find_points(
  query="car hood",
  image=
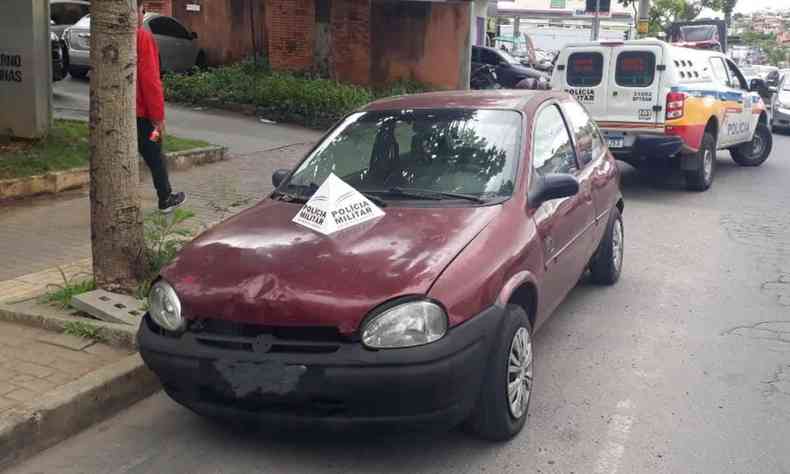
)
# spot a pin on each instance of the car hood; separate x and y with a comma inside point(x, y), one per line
point(527, 71)
point(784, 97)
point(259, 267)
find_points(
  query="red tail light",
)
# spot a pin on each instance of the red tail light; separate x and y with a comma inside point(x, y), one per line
point(675, 103)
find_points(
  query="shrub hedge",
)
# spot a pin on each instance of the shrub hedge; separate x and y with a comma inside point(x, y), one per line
point(300, 99)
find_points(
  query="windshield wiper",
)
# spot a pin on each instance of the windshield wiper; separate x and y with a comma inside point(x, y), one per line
point(434, 195)
point(288, 197)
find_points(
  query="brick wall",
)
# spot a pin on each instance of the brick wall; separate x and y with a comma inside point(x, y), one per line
point(165, 7)
point(224, 29)
point(289, 29)
point(350, 32)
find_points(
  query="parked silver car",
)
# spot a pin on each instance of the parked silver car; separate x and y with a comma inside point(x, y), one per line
point(178, 48)
point(780, 104)
point(65, 13)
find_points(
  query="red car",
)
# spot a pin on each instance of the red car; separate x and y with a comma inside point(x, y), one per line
point(460, 221)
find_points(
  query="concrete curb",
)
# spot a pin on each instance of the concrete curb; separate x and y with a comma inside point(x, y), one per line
point(71, 408)
point(52, 183)
point(119, 335)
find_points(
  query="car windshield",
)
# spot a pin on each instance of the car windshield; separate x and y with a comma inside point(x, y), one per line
point(438, 152)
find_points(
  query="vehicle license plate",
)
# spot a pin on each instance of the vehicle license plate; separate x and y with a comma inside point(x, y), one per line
point(616, 141)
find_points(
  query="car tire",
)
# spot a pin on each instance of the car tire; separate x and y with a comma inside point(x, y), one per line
point(701, 178)
point(757, 151)
point(200, 62)
point(78, 73)
point(495, 418)
point(607, 263)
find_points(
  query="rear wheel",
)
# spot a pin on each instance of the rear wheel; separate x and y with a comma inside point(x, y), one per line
point(501, 410)
point(78, 73)
point(607, 262)
point(701, 177)
point(756, 151)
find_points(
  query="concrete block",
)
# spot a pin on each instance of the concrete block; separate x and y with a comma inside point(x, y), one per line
point(66, 341)
point(110, 307)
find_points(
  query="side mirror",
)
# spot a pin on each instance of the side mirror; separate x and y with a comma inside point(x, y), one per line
point(757, 85)
point(279, 176)
point(194, 35)
point(552, 186)
point(773, 90)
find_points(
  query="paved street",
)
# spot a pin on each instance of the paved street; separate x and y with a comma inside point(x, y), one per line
point(684, 366)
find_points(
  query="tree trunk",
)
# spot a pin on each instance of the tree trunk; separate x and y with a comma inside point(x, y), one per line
point(116, 220)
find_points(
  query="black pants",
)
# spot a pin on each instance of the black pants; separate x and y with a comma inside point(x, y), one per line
point(152, 154)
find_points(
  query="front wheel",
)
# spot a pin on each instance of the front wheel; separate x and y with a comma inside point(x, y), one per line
point(501, 410)
point(756, 151)
point(607, 263)
point(701, 177)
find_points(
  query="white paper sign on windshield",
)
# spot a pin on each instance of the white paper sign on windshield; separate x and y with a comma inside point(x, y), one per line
point(336, 206)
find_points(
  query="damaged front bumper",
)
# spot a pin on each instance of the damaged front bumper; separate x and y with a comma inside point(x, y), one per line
point(307, 381)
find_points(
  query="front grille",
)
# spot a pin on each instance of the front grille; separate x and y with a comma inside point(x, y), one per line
point(234, 336)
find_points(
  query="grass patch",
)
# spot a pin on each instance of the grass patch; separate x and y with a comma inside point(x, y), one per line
point(83, 330)
point(301, 99)
point(66, 147)
point(62, 294)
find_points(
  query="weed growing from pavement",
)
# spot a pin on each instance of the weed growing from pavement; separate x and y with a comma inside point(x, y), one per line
point(71, 287)
point(165, 235)
point(83, 330)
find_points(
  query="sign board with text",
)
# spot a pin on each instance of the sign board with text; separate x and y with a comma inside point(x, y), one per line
point(25, 69)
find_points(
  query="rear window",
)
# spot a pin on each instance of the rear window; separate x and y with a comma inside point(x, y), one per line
point(635, 69)
point(585, 69)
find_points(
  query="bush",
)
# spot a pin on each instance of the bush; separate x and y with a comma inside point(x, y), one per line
point(305, 100)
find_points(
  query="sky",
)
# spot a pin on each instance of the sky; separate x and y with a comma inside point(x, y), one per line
point(749, 6)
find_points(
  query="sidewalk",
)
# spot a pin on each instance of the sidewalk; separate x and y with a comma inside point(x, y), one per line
point(42, 233)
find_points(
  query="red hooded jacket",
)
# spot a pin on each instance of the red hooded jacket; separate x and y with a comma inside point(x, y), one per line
point(150, 96)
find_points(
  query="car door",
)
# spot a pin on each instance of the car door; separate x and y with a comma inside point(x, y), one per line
point(733, 127)
point(597, 169)
point(562, 224)
point(749, 116)
point(168, 36)
point(583, 74)
point(635, 84)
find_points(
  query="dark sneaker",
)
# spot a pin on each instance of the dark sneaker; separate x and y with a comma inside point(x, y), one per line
point(172, 202)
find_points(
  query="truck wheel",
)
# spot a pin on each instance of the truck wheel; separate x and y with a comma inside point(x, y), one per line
point(756, 151)
point(501, 410)
point(701, 178)
point(607, 262)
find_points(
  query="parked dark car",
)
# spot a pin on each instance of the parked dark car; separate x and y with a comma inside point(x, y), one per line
point(493, 209)
point(509, 70)
point(59, 62)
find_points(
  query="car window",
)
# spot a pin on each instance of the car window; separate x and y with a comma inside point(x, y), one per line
point(589, 144)
point(736, 78)
point(720, 70)
point(67, 13)
point(490, 57)
point(476, 55)
point(552, 150)
point(585, 69)
point(445, 150)
point(167, 27)
point(635, 68)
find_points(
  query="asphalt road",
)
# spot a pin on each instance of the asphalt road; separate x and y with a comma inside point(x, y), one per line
point(683, 367)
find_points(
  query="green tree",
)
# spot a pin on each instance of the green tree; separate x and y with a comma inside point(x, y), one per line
point(727, 6)
point(664, 12)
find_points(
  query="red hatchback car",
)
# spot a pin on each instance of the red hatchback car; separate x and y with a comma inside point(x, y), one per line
point(490, 206)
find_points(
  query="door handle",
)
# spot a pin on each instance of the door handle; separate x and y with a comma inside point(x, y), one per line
point(614, 94)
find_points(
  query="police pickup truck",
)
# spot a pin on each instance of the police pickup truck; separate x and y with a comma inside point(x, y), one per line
point(658, 103)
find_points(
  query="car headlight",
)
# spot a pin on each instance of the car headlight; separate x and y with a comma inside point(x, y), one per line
point(53, 36)
point(409, 324)
point(165, 307)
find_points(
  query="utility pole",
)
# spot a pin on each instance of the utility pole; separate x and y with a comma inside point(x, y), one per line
point(643, 24)
point(596, 23)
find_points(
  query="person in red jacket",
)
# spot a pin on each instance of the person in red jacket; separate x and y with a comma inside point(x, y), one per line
point(151, 115)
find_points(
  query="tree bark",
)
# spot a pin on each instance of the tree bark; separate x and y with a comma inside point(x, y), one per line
point(116, 219)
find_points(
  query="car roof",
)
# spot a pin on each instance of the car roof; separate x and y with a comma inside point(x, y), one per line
point(511, 99)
